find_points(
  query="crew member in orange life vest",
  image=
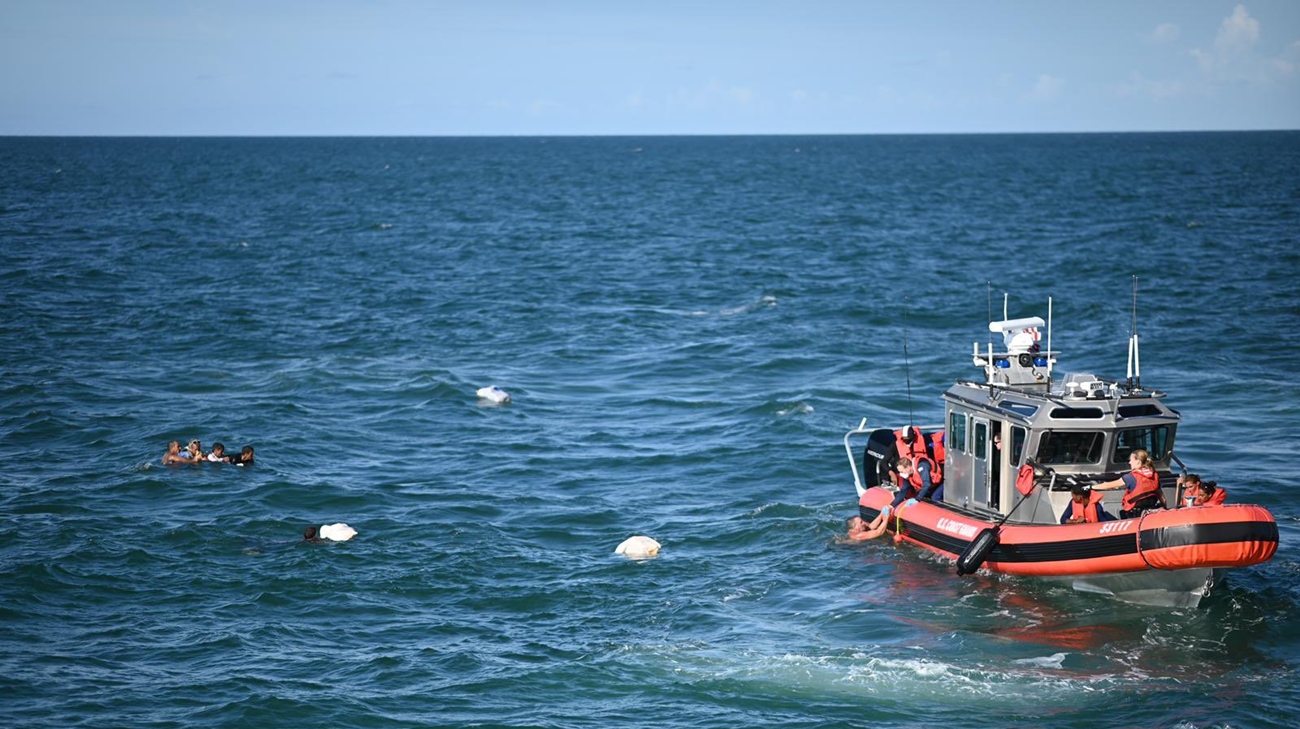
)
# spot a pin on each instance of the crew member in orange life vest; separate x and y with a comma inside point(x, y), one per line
point(1201, 493)
point(1142, 486)
point(909, 445)
point(1085, 507)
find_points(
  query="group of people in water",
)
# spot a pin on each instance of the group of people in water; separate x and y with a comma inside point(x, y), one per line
point(193, 453)
point(914, 460)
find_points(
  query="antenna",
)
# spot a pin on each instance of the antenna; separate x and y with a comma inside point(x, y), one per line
point(907, 370)
point(1005, 298)
point(1137, 359)
point(1049, 343)
point(988, 364)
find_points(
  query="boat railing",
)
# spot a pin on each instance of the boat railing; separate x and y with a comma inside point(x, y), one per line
point(853, 462)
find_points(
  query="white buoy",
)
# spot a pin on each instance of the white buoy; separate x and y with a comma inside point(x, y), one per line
point(339, 532)
point(637, 547)
point(494, 394)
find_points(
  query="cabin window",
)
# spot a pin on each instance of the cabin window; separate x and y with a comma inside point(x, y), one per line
point(1076, 413)
point(1139, 411)
point(1018, 436)
point(1019, 407)
point(957, 432)
point(1153, 439)
point(981, 444)
point(1071, 446)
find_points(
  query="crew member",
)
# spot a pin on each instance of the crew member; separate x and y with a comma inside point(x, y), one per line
point(1201, 493)
point(1141, 486)
point(910, 445)
point(1085, 507)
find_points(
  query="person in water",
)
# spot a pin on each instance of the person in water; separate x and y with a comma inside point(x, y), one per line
point(1141, 486)
point(195, 449)
point(175, 456)
point(244, 457)
point(310, 535)
point(1084, 508)
point(1201, 493)
point(218, 454)
point(860, 531)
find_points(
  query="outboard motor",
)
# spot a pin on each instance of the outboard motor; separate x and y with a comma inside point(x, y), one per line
point(874, 467)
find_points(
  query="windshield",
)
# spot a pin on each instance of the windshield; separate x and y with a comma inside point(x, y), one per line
point(1070, 447)
point(1154, 439)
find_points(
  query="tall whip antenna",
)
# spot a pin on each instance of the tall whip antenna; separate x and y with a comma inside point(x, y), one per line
point(988, 363)
point(1137, 356)
point(907, 370)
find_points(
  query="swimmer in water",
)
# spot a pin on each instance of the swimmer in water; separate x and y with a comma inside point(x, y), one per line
point(218, 454)
point(244, 457)
point(174, 456)
point(309, 535)
point(860, 532)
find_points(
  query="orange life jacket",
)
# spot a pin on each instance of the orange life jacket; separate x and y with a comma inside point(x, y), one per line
point(918, 451)
point(939, 455)
point(1088, 511)
point(1147, 483)
point(1215, 499)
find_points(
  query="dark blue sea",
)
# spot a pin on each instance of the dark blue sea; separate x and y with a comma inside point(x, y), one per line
point(688, 327)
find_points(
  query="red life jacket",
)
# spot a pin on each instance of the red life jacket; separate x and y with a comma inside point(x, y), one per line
point(918, 451)
point(939, 455)
point(1216, 499)
point(1147, 483)
point(1088, 511)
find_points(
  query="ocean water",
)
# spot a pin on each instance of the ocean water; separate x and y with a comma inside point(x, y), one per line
point(687, 326)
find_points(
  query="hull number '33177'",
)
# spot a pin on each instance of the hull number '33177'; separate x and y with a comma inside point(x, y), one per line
point(1115, 526)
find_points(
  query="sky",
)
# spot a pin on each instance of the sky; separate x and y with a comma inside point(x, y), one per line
point(641, 67)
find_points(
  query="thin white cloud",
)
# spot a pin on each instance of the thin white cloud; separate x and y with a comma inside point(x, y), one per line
point(1165, 33)
point(742, 95)
point(540, 107)
point(1138, 86)
point(1046, 88)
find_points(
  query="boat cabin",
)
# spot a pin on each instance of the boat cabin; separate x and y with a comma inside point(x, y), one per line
point(1080, 426)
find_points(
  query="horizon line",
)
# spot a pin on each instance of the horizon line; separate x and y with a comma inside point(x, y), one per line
point(626, 135)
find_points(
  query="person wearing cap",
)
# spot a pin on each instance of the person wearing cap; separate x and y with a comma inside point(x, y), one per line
point(1084, 507)
point(909, 445)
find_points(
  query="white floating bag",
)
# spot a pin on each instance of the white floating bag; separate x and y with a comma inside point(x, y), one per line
point(494, 394)
point(637, 547)
point(339, 532)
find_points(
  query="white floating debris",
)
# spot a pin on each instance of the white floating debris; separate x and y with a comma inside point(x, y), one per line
point(494, 394)
point(339, 532)
point(638, 546)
